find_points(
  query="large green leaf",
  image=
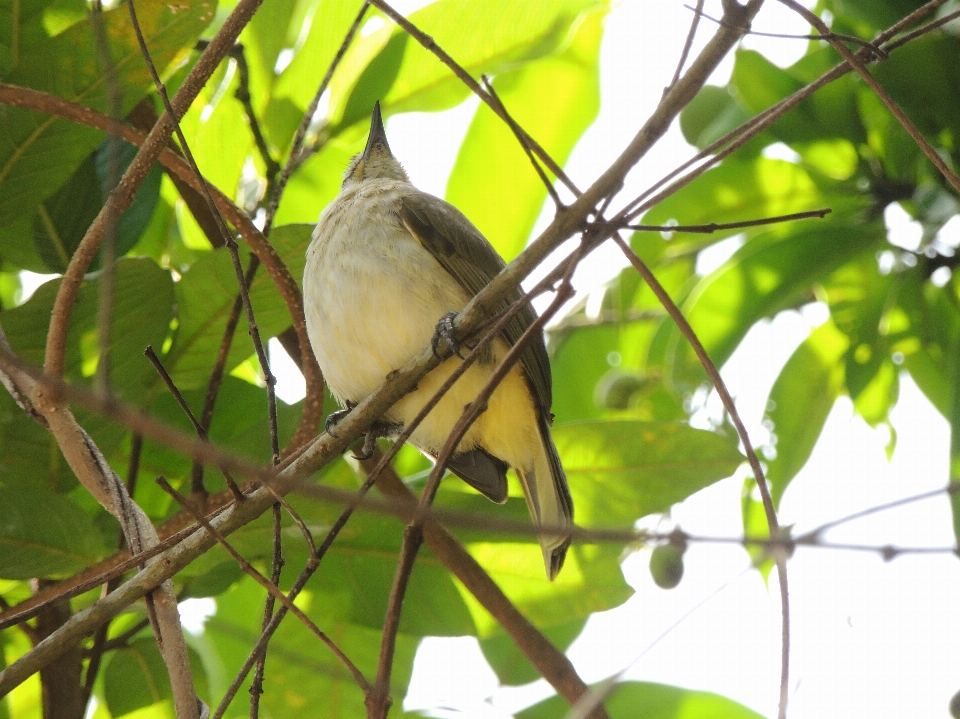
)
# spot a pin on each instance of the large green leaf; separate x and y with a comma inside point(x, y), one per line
point(38, 152)
point(555, 99)
point(61, 220)
point(404, 76)
point(63, 541)
point(652, 701)
point(135, 677)
point(205, 298)
point(769, 273)
point(142, 310)
point(510, 664)
point(801, 399)
point(299, 81)
point(620, 471)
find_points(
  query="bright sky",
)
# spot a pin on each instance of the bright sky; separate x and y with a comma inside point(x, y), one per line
point(870, 638)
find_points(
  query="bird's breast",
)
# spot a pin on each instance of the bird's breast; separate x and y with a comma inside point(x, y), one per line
point(372, 293)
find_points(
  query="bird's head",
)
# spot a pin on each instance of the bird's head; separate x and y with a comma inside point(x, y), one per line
point(376, 161)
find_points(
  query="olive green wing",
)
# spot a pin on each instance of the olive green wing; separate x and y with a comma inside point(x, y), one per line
point(467, 255)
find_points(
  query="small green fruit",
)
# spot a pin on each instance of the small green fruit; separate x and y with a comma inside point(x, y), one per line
point(666, 566)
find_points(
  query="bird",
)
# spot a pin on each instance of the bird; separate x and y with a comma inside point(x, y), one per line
point(385, 263)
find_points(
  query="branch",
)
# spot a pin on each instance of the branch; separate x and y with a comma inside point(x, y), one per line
point(95, 474)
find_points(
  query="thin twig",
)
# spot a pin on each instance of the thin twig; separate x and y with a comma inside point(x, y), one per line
point(752, 458)
point(197, 426)
point(687, 44)
point(872, 49)
point(256, 688)
point(231, 243)
point(711, 227)
point(295, 158)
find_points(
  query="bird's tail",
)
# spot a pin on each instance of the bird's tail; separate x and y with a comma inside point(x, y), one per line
point(549, 501)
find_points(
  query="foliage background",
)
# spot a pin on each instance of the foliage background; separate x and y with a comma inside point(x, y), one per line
point(621, 429)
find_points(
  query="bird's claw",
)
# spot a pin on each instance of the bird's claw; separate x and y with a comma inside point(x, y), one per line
point(445, 333)
point(376, 431)
point(333, 419)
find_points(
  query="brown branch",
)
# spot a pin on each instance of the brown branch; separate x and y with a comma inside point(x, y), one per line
point(378, 701)
point(98, 478)
point(552, 664)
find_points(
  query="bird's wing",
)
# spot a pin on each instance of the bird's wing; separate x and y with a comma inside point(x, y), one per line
point(466, 254)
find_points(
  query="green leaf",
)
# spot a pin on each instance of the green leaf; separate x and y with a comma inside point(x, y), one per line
point(620, 471)
point(329, 24)
point(211, 128)
point(591, 580)
point(711, 114)
point(769, 273)
point(801, 399)
point(405, 77)
point(863, 304)
point(62, 219)
point(142, 310)
point(205, 298)
point(554, 99)
point(916, 77)
point(136, 677)
point(38, 153)
point(578, 364)
point(29, 455)
point(65, 541)
point(652, 701)
point(274, 26)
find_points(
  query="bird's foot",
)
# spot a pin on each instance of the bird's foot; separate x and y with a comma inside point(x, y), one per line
point(333, 419)
point(376, 431)
point(444, 333)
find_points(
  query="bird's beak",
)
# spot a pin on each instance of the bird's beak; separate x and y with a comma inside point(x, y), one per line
point(377, 136)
